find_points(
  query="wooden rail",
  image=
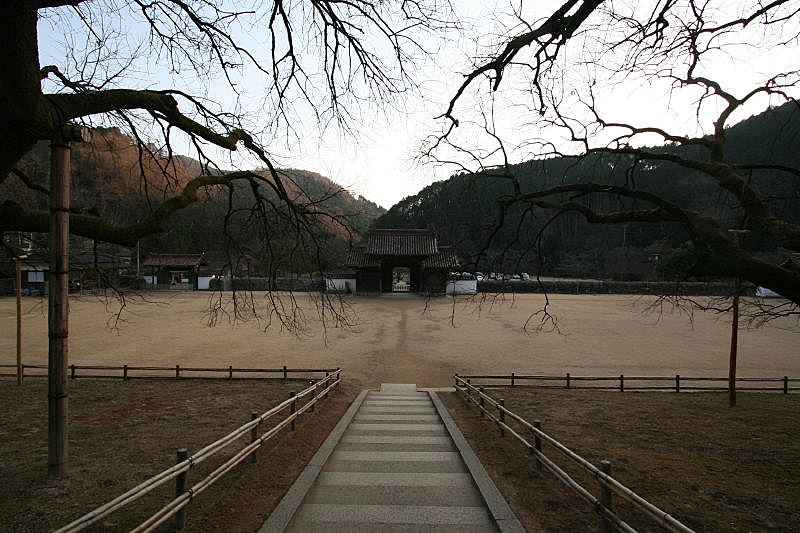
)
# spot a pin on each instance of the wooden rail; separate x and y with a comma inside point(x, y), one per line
point(496, 411)
point(175, 507)
point(621, 382)
point(176, 372)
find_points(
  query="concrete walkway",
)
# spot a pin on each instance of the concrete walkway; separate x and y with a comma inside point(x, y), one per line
point(395, 462)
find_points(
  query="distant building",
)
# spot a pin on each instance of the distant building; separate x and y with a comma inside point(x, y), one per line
point(401, 260)
point(176, 271)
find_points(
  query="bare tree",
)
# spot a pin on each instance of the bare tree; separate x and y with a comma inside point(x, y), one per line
point(557, 72)
point(324, 56)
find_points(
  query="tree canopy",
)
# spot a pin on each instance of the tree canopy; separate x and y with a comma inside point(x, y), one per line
point(557, 86)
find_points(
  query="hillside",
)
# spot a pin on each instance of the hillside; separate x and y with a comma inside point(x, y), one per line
point(464, 211)
point(111, 178)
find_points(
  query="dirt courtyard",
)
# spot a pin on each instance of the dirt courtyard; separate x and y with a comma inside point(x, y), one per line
point(411, 339)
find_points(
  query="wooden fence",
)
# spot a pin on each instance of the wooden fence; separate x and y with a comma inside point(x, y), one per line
point(496, 411)
point(183, 495)
point(623, 383)
point(174, 372)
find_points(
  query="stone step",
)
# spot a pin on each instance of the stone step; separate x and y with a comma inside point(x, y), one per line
point(398, 428)
point(395, 466)
point(327, 527)
point(377, 515)
point(394, 456)
point(465, 495)
point(394, 479)
point(412, 410)
point(396, 447)
point(397, 417)
point(395, 439)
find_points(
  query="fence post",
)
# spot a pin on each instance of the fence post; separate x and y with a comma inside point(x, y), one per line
point(481, 401)
point(621, 383)
point(313, 395)
point(568, 376)
point(180, 488)
point(501, 403)
point(677, 382)
point(230, 371)
point(177, 371)
point(254, 435)
point(512, 379)
point(293, 409)
point(605, 497)
point(786, 384)
point(537, 442)
point(284, 373)
point(72, 371)
point(125, 372)
point(455, 380)
point(468, 390)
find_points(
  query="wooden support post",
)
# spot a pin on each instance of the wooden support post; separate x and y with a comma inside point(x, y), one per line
point(786, 384)
point(125, 372)
point(254, 436)
point(230, 372)
point(58, 298)
point(313, 395)
point(677, 382)
point(568, 377)
point(481, 401)
point(537, 441)
point(18, 279)
point(72, 371)
point(285, 375)
point(455, 380)
point(180, 488)
point(468, 390)
point(512, 379)
point(605, 497)
point(621, 383)
point(293, 410)
point(177, 371)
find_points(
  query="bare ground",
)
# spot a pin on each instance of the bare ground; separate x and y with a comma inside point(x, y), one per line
point(412, 340)
point(121, 433)
point(712, 467)
point(393, 340)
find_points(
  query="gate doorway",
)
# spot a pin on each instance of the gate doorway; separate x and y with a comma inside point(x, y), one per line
point(401, 279)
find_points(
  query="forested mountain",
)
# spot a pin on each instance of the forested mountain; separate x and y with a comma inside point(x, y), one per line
point(110, 177)
point(464, 208)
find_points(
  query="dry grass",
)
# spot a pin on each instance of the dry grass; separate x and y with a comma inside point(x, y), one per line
point(712, 467)
point(411, 340)
point(121, 433)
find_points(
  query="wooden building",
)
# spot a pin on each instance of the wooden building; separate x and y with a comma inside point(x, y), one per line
point(174, 271)
point(395, 260)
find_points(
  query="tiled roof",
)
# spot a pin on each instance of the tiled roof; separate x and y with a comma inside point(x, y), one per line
point(401, 242)
point(356, 258)
point(445, 259)
point(185, 260)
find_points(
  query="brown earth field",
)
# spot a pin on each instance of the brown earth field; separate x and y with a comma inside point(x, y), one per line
point(712, 467)
point(414, 340)
point(123, 432)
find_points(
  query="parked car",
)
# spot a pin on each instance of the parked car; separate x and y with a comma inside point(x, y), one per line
point(525, 276)
point(479, 276)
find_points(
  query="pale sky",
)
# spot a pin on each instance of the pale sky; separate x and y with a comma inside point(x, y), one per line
point(379, 163)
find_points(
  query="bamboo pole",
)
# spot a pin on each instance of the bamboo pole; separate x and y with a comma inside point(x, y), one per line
point(58, 308)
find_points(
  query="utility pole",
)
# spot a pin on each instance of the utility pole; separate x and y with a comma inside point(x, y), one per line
point(58, 297)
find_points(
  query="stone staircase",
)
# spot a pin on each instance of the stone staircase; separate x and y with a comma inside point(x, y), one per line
point(393, 465)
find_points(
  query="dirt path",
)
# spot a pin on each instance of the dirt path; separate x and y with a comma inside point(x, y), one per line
point(405, 340)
